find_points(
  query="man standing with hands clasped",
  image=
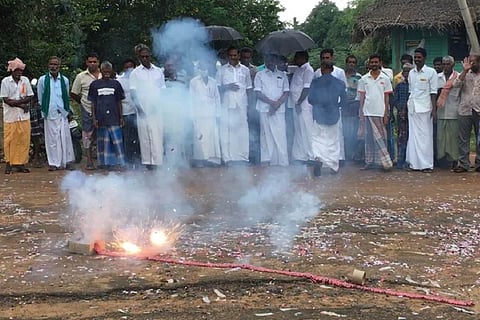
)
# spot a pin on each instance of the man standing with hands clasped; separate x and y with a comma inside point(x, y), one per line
point(235, 86)
point(16, 93)
point(272, 89)
point(422, 107)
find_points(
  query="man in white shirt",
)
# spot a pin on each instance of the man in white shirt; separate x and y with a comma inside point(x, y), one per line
point(423, 84)
point(374, 90)
point(147, 82)
point(16, 93)
point(302, 115)
point(235, 86)
point(205, 106)
point(272, 89)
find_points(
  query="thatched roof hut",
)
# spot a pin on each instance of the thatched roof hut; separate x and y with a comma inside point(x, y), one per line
point(436, 15)
point(435, 24)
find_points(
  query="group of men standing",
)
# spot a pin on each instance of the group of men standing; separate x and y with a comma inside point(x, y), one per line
point(318, 117)
point(436, 112)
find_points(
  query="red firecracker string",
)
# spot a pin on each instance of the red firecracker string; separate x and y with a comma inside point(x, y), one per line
point(306, 275)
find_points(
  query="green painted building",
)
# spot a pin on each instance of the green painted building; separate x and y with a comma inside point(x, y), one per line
point(435, 25)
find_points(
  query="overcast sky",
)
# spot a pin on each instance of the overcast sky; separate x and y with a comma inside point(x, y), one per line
point(302, 8)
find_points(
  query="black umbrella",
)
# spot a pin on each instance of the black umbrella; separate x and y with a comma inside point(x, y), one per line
point(283, 42)
point(224, 33)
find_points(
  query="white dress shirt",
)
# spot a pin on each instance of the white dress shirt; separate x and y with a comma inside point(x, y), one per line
point(239, 75)
point(301, 79)
point(422, 83)
point(272, 84)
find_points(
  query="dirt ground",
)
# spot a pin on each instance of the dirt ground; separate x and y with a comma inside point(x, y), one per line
point(411, 232)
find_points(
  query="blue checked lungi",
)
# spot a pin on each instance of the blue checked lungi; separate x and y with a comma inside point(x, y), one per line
point(110, 150)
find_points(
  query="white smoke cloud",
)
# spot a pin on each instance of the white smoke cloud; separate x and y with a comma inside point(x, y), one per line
point(100, 204)
point(273, 200)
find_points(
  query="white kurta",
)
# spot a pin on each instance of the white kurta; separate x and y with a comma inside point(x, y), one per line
point(145, 87)
point(303, 122)
point(326, 145)
point(234, 137)
point(205, 110)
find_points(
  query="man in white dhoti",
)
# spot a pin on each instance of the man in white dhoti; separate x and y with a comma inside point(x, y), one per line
point(53, 89)
point(146, 84)
point(235, 85)
point(205, 102)
point(302, 115)
point(327, 55)
point(327, 95)
point(175, 110)
point(421, 113)
point(271, 87)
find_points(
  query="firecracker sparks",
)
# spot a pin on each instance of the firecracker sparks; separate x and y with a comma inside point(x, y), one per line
point(152, 237)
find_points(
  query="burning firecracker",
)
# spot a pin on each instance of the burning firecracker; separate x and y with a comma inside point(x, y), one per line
point(142, 240)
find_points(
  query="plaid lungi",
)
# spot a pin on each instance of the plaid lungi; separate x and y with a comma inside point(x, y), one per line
point(110, 150)
point(376, 151)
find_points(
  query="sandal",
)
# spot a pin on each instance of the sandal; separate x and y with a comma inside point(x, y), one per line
point(8, 170)
point(52, 168)
point(22, 169)
point(90, 167)
point(37, 164)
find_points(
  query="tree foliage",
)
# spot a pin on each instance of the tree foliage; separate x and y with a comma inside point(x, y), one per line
point(33, 30)
point(320, 21)
point(332, 28)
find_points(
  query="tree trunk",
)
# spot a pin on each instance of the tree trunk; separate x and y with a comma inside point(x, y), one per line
point(472, 34)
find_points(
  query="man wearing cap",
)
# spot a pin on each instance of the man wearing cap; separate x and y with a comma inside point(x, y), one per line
point(16, 93)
